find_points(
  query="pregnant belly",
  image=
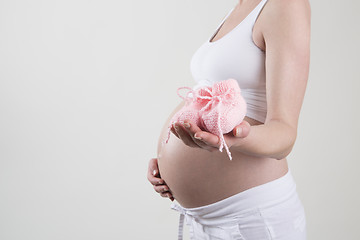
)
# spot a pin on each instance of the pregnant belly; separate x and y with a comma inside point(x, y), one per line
point(192, 174)
point(197, 177)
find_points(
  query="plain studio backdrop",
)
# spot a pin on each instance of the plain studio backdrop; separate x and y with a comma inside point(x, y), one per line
point(85, 87)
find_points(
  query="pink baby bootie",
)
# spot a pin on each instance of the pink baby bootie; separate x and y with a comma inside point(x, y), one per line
point(225, 110)
point(217, 109)
point(192, 107)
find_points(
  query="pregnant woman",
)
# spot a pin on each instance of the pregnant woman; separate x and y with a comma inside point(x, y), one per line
point(265, 46)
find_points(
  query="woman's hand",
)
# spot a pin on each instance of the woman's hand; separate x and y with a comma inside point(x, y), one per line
point(193, 136)
point(154, 178)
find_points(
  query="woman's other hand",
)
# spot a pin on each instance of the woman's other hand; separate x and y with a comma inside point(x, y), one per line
point(193, 136)
point(153, 175)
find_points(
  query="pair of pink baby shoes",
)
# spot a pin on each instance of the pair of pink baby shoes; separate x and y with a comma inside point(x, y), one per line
point(216, 109)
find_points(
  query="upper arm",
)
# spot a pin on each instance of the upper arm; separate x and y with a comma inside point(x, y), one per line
point(286, 32)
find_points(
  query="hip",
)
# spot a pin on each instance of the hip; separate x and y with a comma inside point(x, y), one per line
point(269, 211)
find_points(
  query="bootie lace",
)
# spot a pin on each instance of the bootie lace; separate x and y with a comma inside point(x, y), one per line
point(216, 102)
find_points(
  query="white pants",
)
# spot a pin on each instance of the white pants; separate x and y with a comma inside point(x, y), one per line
point(271, 211)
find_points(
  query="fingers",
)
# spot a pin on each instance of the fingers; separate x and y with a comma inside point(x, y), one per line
point(172, 129)
point(184, 135)
point(193, 129)
point(167, 195)
point(153, 174)
point(153, 169)
point(164, 191)
point(187, 130)
point(159, 184)
point(161, 188)
point(242, 130)
point(209, 139)
point(189, 134)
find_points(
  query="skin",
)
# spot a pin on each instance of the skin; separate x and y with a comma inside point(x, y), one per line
point(282, 30)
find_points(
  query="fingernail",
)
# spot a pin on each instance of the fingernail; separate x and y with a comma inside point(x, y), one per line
point(160, 182)
point(238, 131)
point(164, 190)
point(187, 125)
point(197, 137)
point(154, 172)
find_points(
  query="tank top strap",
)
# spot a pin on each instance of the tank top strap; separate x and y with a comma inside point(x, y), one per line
point(256, 12)
point(221, 23)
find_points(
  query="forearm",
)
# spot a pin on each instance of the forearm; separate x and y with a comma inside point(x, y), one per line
point(273, 139)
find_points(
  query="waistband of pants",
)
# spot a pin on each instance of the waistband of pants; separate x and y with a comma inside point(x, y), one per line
point(240, 205)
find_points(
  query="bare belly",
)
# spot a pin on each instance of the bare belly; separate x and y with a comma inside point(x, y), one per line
point(198, 177)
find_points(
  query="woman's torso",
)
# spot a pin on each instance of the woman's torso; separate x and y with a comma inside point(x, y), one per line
point(197, 177)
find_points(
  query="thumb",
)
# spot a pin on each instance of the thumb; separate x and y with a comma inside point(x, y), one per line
point(242, 130)
point(153, 167)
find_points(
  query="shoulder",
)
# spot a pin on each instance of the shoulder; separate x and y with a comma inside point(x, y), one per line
point(286, 22)
point(281, 11)
point(288, 5)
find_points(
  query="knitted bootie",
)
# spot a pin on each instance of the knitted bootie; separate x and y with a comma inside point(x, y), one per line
point(217, 109)
point(192, 107)
point(225, 110)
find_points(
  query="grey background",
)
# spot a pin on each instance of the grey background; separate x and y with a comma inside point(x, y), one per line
point(85, 87)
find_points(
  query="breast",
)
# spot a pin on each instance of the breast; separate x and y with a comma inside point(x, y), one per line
point(234, 57)
point(237, 58)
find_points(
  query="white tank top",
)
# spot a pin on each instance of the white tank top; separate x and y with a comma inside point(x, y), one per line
point(236, 56)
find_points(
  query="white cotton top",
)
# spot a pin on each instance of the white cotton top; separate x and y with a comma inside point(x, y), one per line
point(236, 56)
